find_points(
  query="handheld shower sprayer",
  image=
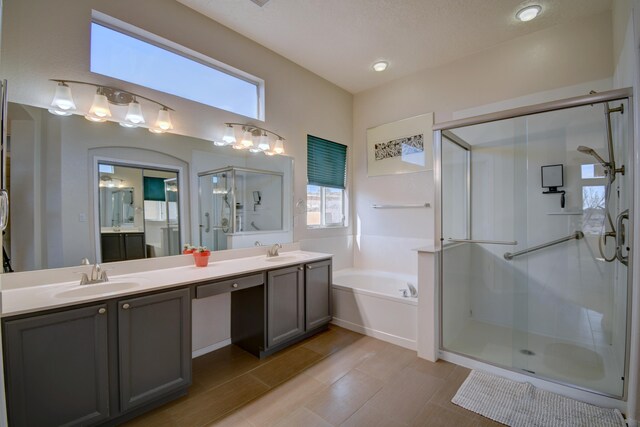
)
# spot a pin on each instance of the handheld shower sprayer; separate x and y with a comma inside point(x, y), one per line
point(592, 152)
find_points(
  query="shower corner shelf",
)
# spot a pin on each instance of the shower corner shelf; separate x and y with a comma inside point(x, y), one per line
point(565, 213)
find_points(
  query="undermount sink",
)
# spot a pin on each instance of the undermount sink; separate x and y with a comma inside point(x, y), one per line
point(96, 289)
point(282, 258)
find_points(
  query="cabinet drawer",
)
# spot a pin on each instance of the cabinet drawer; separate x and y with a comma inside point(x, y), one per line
point(223, 286)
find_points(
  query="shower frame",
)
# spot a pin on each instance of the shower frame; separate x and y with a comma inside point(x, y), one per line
point(442, 128)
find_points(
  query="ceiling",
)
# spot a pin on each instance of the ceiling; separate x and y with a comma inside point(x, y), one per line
point(341, 39)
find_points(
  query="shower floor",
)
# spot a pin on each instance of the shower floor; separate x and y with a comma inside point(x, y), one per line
point(591, 365)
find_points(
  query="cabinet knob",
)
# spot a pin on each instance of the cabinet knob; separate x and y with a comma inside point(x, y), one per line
point(300, 268)
point(125, 306)
point(235, 285)
point(102, 311)
point(309, 267)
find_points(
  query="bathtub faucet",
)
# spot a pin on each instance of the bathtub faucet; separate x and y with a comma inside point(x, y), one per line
point(410, 292)
point(273, 250)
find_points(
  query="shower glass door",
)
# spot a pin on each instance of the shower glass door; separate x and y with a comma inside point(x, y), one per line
point(216, 202)
point(530, 211)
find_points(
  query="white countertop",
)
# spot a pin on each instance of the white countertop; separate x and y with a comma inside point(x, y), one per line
point(44, 297)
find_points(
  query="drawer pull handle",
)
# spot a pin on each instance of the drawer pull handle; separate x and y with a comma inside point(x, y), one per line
point(102, 311)
point(125, 306)
point(235, 285)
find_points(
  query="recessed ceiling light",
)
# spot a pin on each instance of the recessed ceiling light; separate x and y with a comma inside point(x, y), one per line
point(528, 13)
point(380, 65)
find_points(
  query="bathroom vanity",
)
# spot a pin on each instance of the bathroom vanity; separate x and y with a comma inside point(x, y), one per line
point(105, 358)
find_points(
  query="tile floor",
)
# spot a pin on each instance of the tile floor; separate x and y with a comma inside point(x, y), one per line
point(337, 378)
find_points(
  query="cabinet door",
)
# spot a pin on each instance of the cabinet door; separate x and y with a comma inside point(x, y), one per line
point(112, 247)
point(154, 346)
point(285, 304)
point(134, 246)
point(318, 293)
point(57, 368)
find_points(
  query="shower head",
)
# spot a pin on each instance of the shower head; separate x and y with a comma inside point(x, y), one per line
point(592, 152)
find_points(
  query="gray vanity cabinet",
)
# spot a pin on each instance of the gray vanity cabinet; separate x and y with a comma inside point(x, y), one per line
point(122, 246)
point(285, 305)
point(154, 346)
point(57, 368)
point(317, 294)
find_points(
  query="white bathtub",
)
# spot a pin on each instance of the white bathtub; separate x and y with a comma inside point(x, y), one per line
point(370, 302)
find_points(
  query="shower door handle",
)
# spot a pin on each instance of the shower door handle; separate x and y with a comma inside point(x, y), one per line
point(620, 237)
point(208, 218)
point(4, 209)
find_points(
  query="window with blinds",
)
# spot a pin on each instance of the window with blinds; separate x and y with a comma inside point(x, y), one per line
point(326, 183)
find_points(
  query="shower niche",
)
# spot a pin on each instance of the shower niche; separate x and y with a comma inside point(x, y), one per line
point(237, 202)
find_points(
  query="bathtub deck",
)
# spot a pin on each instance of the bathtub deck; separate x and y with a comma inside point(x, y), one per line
point(337, 378)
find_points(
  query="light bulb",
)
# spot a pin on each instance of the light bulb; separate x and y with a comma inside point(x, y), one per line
point(238, 145)
point(163, 123)
point(62, 104)
point(278, 148)
point(380, 66)
point(263, 145)
point(229, 135)
point(100, 107)
point(247, 139)
point(134, 115)
point(528, 13)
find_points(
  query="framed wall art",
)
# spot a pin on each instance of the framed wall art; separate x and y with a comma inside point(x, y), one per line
point(404, 146)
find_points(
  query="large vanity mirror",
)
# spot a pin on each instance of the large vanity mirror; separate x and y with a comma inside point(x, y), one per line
point(107, 193)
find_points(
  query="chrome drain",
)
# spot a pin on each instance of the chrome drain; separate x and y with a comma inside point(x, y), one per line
point(527, 352)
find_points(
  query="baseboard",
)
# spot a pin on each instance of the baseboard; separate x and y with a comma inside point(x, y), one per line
point(210, 348)
point(393, 339)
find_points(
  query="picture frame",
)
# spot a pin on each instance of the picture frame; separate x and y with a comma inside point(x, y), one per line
point(403, 146)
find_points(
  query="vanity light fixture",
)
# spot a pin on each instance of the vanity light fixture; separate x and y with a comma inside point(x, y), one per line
point(247, 139)
point(134, 117)
point(163, 123)
point(254, 138)
point(263, 145)
point(380, 66)
point(229, 136)
point(62, 104)
point(528, 13)
point(99, 111)
point(104, 98)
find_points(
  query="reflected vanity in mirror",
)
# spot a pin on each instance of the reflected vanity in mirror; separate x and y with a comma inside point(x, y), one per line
point(101, 191)
point(139, 215)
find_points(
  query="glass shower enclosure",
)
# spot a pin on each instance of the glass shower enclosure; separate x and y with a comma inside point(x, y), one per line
point(534, 235)
point(236, 202)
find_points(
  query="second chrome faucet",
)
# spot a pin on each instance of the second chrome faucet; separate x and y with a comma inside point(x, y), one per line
point(273, 250)
point(98, 274)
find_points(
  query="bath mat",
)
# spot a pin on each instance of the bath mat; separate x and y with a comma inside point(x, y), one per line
point(523, 405)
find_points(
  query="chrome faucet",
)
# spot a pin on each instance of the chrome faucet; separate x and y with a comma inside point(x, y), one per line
point(98, 275)
point(273, 250)
point(411, 291)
